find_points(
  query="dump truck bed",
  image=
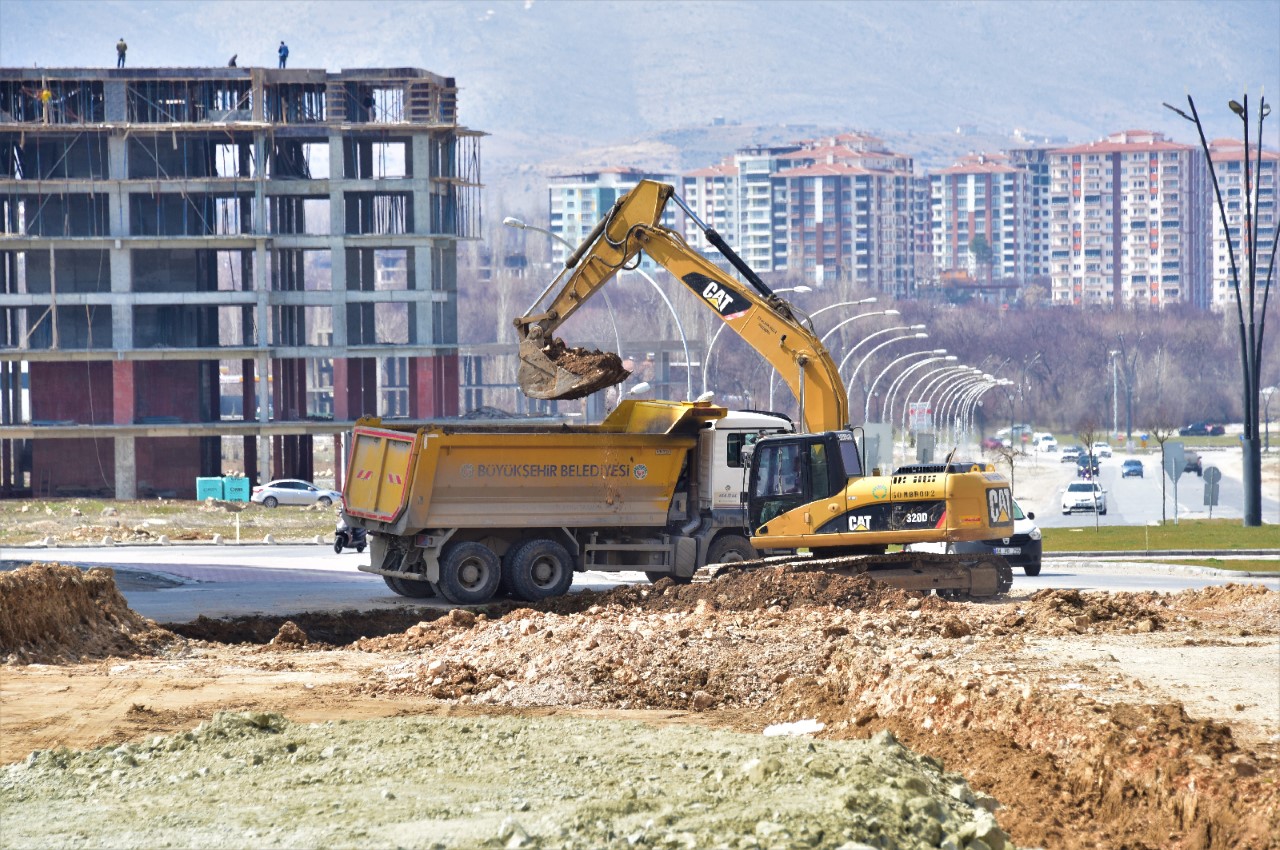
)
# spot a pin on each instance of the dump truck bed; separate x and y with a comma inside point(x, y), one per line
point(622, 472)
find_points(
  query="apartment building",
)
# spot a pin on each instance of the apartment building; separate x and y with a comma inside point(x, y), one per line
point(849, 214)
point(1128, 222)
point(1229, 165)
point(174, 234)
point(576, 202)
point(982, 221)
point(712, 193)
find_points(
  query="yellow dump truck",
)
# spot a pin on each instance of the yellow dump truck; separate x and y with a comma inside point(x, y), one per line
point(467, 510)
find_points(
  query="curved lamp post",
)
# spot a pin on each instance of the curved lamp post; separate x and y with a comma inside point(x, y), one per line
point(706, 358)
point(960, 399)
point(872, 353)
point(871, 391)
point(939, 390)
point(688, 364)
point(932, 376)
point(946, 401)
point(951, 406)
point(971, 402)
point(901, 380)
point(938, 354)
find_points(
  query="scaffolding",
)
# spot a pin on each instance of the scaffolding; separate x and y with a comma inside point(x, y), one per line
point(163, 229)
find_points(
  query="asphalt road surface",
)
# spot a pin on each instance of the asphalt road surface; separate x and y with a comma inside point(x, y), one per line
point(174, 584)
point(1137, 501)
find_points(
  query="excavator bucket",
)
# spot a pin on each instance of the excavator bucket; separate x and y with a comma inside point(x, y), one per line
point(555, 371)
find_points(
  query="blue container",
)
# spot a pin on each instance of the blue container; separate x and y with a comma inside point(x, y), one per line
point(235, 489)
point(208, 488)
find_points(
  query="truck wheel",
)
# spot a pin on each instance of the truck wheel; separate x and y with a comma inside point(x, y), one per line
point(539, 569)
point(469, 573)
point(730, 549)
point(410, 588)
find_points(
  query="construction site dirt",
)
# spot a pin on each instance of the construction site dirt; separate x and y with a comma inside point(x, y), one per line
point(643, 716)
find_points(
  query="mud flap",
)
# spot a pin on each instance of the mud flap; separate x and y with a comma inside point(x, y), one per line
point(686, 557)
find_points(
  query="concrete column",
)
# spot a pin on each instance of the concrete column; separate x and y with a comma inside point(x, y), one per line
point(337, 245)
point(262, 288)
point(421, 326)
point(126, 468)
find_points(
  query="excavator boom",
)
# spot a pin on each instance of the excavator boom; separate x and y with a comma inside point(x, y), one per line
point(552, 370)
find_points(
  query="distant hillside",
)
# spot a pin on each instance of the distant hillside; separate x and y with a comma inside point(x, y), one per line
point(561, 85)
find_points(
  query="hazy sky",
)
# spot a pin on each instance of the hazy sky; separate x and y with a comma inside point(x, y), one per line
point(596, 72)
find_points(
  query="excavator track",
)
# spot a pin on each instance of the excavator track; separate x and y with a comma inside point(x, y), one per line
point(950, 576)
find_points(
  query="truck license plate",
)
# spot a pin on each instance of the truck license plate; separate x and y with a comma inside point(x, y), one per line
point(1008, 550)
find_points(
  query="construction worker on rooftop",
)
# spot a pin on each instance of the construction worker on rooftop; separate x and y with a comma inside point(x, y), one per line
point(284, 53)
point(121, 49)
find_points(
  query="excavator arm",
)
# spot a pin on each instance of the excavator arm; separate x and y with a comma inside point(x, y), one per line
point(765, 321)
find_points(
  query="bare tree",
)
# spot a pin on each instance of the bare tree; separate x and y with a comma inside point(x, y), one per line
point(1162, 428)
point(1089, 431)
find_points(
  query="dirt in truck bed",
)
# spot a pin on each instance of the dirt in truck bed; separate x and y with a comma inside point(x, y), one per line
point(643, 717)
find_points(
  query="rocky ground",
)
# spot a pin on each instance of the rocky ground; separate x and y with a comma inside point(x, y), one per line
point(642, 717)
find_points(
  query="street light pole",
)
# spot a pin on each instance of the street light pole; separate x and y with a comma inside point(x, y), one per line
point(688, 364)
point(1115, 391)
point(857, 369)
point(887, 408)
point(866, 408)
point(932, 376)
point(1251, 337)
point(774, 374)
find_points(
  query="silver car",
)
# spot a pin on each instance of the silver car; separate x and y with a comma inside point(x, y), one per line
point(292, 491)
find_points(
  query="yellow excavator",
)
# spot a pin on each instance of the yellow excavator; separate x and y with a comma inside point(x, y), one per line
point(807, 492)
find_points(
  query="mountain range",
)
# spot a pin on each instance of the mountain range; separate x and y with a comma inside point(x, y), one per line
point(563, 85)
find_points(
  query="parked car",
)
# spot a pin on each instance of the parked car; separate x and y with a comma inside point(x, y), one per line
point(1071, 453)
point(1084, 496)
point(1131, 467)
point(292, 491)
point(1023, 548)
point(1201, 429)
point(992, 443)
point(1101, 450)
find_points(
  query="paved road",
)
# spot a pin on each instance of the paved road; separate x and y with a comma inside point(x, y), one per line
point(1137, 501)
point(172, 584)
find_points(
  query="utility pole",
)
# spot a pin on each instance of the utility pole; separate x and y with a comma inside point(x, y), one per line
point(1251, 302)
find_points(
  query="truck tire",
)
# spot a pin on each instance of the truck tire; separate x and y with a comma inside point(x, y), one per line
point(731, 548)
point(539, 569)
point(469, 573)
point(410, 588)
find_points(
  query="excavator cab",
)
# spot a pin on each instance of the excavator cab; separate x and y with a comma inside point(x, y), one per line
point(796, 469)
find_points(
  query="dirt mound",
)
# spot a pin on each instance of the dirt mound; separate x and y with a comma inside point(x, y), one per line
point(784, 587)
point(54, 613)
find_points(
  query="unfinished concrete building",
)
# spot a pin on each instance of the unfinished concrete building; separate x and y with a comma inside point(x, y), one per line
point(195, 253)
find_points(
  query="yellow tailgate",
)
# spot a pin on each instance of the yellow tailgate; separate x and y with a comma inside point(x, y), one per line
point(379, 473)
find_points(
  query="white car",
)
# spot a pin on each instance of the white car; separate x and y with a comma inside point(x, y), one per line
point(1084, 496)
point(1101, 450)
point(1045, 442)
point(291, 491)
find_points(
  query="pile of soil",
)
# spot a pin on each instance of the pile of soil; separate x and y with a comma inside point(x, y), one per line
point(594, 369)
point(1023, 698)
point(53, 613)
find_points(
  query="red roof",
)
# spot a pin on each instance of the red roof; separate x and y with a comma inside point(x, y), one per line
point(1126, 141)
